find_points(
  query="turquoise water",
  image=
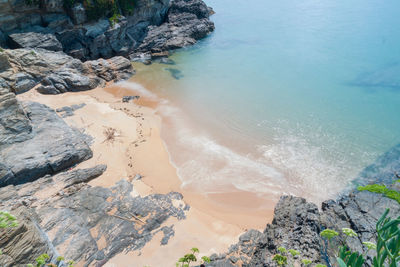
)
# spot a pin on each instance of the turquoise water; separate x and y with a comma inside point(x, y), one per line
point(286, 96)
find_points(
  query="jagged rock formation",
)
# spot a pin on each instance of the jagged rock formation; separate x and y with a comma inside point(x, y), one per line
point(297, 224)
point(187, 22)
point(53, 27)
point(36, 40)
point(84, 223)
point(56, 72)
point(21, 245)
point(51, 146)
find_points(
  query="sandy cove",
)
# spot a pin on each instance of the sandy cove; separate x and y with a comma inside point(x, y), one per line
point(212, 225)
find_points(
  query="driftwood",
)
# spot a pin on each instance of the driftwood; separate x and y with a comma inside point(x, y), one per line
point(129, 220)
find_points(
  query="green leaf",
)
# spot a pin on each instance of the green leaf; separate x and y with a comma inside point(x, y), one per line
point(383, 216)
point(195, 250)
point(329, 234)
point(282, 250)
point(341, 262)
point(294, 252)
point(206, 259)
point(349, 232)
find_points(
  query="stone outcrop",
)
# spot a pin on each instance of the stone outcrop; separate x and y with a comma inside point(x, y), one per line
point(56, 72)
point(187, 22)
point(46, 145)
point(35, 40)
point(14, 124)
point(154, 25)
point(88, 224)
point(22, 244)
point(298, 223)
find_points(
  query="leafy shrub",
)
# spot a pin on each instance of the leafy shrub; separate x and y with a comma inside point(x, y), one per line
point(186, 260)
point(7, 220)
point(388, 242)
point(382, 189)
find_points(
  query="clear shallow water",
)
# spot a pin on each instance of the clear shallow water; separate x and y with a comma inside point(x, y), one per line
point(285, 96)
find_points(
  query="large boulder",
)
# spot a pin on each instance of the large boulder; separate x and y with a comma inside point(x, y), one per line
point(116, 68)
point(52, 147)
point(67, 80)
point(187, 22)
point(35, 40)
point(56, 72)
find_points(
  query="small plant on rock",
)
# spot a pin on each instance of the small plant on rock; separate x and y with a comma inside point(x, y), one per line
point(305, 262)
point(7, 220)
point(280, 259)
point(189, 258)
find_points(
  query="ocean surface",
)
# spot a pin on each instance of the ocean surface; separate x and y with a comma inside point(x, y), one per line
point(284, 97)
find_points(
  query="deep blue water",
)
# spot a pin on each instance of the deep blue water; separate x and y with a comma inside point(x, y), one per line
point(286, 96)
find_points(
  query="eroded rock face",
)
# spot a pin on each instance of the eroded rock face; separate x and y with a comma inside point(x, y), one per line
point(187, 22)
point(36, 40)
point(56, 72)
point(298, 223)
point(48, 147)
point(21, 245)
point(154, 26)
point(14, 124)
point(92, 224)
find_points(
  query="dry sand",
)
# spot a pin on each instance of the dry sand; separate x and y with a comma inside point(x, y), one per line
point(213, 223)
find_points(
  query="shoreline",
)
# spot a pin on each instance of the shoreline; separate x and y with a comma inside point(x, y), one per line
point(212, 225)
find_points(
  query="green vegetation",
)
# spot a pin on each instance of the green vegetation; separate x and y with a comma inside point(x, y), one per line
point(96, 9)
point(7, 220)
point(43, 260)
point(382, 189)
point(112, 9)
point(189, 258)
point(280, 259)
point(289, 257)
point(305, 262)
point(388, 242)
point(328, 234)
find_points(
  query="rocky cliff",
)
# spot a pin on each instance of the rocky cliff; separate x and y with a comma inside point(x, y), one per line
point(153, 26)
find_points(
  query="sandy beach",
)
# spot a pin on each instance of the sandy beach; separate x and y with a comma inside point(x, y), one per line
point(214, 221)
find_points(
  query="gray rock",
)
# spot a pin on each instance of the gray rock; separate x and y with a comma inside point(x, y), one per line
point(77, 217)
point(22, 244)
point(95, 29)
point(36, 40)
point(52, 147)
point(14, 123)
point(144, 58)
point(57, 22)
point(23, 82)
point(166, 61)
point(56, 72)
point(126, 99)
point(177, 74)
point(68, 80)
point(56, 6)
point(168, 233)
point(78, 14)
point(3, 39)
point(298, 223)
point(187, 22)
point(68, 111)
point(116, 68)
